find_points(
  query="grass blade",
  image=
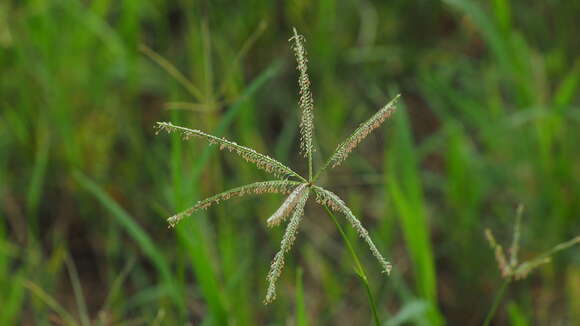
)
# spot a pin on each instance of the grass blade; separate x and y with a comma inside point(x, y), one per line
point(171, 70)
point(136, 232)
point(406, 191)
point(53, 304)
point(301, 316)
point(78, 291)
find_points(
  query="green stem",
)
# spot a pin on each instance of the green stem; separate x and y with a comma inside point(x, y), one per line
point(324, 167)
point(496, 302)
point(310, 166)
point(358, 267)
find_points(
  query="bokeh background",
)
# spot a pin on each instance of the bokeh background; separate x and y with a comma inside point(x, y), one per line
point(489, 119)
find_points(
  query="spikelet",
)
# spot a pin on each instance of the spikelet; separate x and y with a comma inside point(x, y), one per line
point(525, 268)
point(286, 208)
point(343, 150)
point(276, 186)
point(285, 246)
point(262, 161)
point(306, 101)
point(516, 238)
point(500, 257)
point(330, 199)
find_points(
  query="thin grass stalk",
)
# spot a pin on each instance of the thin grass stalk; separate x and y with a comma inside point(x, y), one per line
point(65, 317)
point(172, 71)
point(78, 291)
point(319, 172)
point(241, 53)
point(301, 316)
point(360, 271)
point(310, 167)
point(496, 302)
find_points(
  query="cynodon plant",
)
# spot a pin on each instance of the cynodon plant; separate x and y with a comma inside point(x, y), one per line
point(512, 269)
point(298, 187)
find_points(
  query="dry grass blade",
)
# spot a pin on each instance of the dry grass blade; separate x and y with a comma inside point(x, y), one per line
point(262, 161)
point(343, 150)
point(306, 101)
point(286, 208)
point(66, 318)
point(171, 70)
point(330, 199)
point(285, 246)
point(241, 53)
point(276, 186)
point(196, 107)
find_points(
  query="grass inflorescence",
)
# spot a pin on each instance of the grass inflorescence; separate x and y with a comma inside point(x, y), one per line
point(301, 187)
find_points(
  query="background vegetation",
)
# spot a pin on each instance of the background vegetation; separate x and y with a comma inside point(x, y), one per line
point(490, 118)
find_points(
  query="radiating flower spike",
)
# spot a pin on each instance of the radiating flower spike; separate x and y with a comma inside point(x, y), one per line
point(285, 246)
point(306, 101)
point(286, 208)
point(330, 199)
point(275, 186)
point(343, 149)
point(262, 161)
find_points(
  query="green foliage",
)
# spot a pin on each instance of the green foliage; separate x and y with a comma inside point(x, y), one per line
point(491, 120)
point(406, 189)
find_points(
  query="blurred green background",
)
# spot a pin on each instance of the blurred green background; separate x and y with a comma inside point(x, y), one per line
point(489, 119)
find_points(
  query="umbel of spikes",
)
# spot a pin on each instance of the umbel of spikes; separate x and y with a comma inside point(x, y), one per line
point(512, 268)
point(298, 188)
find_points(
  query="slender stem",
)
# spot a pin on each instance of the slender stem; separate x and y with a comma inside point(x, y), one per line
point(372, 302)
point(358, 267)
point(496, 302)
point(324, 167)
point(310, 166)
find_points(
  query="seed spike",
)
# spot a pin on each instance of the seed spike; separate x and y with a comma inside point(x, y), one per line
point(286, 208)
point(516, 238)
point(330, 199)
point(285, 246)
point(343, 149)
point(306, 101)
point(261, 161)
point(500, 256)
point(275, 186)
